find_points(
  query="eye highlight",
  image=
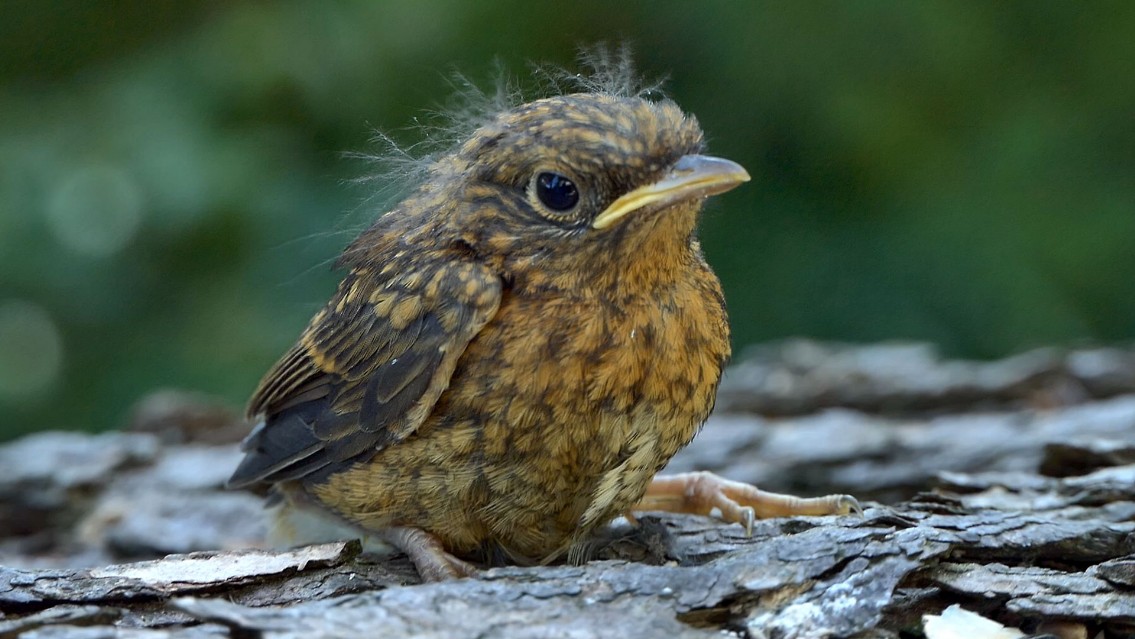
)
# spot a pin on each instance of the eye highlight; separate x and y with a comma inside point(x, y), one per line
point(556, 191)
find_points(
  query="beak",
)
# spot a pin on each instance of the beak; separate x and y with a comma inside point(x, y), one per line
point(692, 176)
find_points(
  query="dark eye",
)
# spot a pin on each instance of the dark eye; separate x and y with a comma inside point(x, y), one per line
point(556, 191)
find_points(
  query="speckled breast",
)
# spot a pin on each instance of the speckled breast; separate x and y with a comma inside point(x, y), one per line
point(579, 412)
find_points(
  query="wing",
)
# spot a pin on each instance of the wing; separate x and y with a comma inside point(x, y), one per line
point(368, 369)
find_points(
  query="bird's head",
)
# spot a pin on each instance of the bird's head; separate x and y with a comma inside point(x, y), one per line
point(573, 191)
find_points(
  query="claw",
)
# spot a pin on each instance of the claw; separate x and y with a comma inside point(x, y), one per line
point(849, 505)
point(749, 516)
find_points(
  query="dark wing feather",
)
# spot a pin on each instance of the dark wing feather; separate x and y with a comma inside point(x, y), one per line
point(367, 370)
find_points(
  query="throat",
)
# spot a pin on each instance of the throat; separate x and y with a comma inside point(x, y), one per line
point(648, 256)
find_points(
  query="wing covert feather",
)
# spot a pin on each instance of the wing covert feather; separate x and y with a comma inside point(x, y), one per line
point(367, 370)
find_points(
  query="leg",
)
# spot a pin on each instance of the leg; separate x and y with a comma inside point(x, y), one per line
point(699, 493)
point(431, 560)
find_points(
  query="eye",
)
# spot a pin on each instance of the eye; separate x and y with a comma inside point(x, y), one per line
point(556, 192)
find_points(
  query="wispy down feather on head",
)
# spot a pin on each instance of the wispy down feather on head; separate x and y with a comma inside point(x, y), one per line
point(396, 168)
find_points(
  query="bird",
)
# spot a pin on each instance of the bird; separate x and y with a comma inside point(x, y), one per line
point(518, 347)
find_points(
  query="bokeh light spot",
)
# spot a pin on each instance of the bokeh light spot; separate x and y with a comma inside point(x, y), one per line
point(31, 349)
point(95, 210)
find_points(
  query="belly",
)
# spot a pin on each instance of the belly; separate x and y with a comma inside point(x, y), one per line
point(545, 433)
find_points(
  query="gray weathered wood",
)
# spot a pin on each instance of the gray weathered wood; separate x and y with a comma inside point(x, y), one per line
point(953, 451)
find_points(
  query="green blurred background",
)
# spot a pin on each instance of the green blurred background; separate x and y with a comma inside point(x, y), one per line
point(173, 184)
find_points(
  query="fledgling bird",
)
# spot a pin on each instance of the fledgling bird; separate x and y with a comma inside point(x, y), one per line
point(518, 347)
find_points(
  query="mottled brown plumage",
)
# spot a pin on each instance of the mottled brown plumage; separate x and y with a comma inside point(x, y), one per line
point(500, 373)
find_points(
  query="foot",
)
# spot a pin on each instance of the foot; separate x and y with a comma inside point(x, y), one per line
point(431, 560)
point(739, 503)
